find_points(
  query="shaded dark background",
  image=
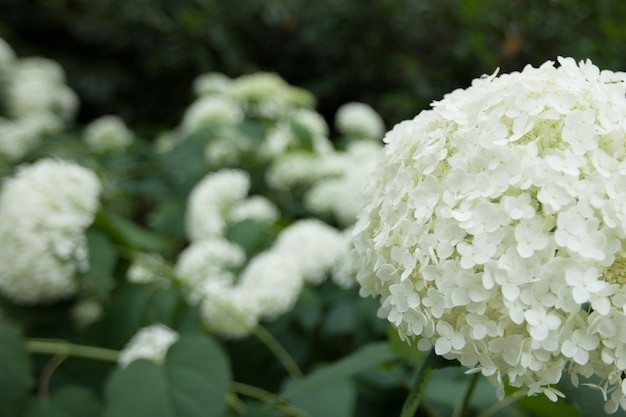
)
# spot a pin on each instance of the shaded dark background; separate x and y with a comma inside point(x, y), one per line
point(138, 58)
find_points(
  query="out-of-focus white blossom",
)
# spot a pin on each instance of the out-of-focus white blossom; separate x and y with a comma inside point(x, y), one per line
point(86, 312)
point(257, 208)
point(212, 83)
point(273, 281)
point(44, 211)
point(359, 120)
point(151, 343)
point(36, 86)
point(212, 111)
point(227, 311)
point(212, 200)
point(17, 138)
point(341, 195)
point(206, 260)
point(108, 134)
point(314, 245)
point(496, 224)
point(148, 268)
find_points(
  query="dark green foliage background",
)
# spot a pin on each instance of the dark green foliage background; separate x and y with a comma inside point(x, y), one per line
point(138, 58)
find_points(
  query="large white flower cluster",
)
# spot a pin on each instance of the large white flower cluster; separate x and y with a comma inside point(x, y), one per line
point(496, 223)
point(234, 293)
point(36, 99)
point(44, 211)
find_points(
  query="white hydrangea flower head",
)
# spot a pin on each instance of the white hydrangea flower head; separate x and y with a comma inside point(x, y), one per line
point(257, 208)
point(36, 86)
point(212, 83)
point(212, 200)
point(17, 137)
point(227, 311)
point(215, 259)
point(495, 228)
point(108, 134)
point(341, 195)
point(212, 111)
point(314, 245)
point(316, 127)
point(359, 120)
point(222, 152)
point(7, 56)
point(44, 210)
point(273, 282)
point(268, 95)
point(303, 169)
point(151, 343)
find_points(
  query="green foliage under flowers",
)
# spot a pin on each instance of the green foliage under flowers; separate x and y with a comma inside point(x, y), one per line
point(327, 356)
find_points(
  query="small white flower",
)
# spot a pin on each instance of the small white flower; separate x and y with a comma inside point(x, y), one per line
point(359, 120)
point(107, 134)
point(151, 343)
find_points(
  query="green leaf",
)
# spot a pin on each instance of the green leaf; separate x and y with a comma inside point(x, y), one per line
point(129, 234)
point(368, 356)
point(185, 164)
point(587, 401)
point(336, 399)
point(250, 235)
point(16, 378)
point(541, 406)
point(102, 258)
point(69, 401)
point(193, 382)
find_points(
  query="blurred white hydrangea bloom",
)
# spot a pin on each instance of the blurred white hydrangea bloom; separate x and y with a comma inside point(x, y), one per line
point(314, 245)
point(359, 120)
point(36, 87)
point(86, 311)
point(212, 201)
point(273, 282)
point(17, 137)
point(228, 311)
point(341, 195)
point(212, 83)
point(44, 211)
point(205, 260)
point(495, 228)
point(108, 134)
point(151, 343)
point(212, 111)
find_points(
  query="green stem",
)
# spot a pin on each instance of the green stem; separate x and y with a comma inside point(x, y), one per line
point(459, 411)
point(279, 351)
point(46, 373)
point(419, 386)
point(266, 397)
point(62, 347)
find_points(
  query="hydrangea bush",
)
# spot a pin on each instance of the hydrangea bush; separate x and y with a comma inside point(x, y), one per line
point(495, 224)
point(207, 269)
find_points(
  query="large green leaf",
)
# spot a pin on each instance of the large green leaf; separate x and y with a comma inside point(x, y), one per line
point(16, 378)
point(336, 399)
point(368, 356)
point(193, 382)
point(102, 260)
point(129, 234)
point(70, 401)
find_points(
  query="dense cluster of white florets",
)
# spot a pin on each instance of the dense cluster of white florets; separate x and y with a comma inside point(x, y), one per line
point(149, 343)
point(44, 211)
point(36, 99)
point(495, 227)
point(108, 134)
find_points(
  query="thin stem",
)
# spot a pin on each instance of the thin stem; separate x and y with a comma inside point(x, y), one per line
point(266, 397)
point(459, 411)
point(419, 386)
point(501, 404)
point(279, 351)
point(46, 373)
point(62, 347)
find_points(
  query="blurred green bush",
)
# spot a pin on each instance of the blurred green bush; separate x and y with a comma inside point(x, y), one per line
point(137, 58)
